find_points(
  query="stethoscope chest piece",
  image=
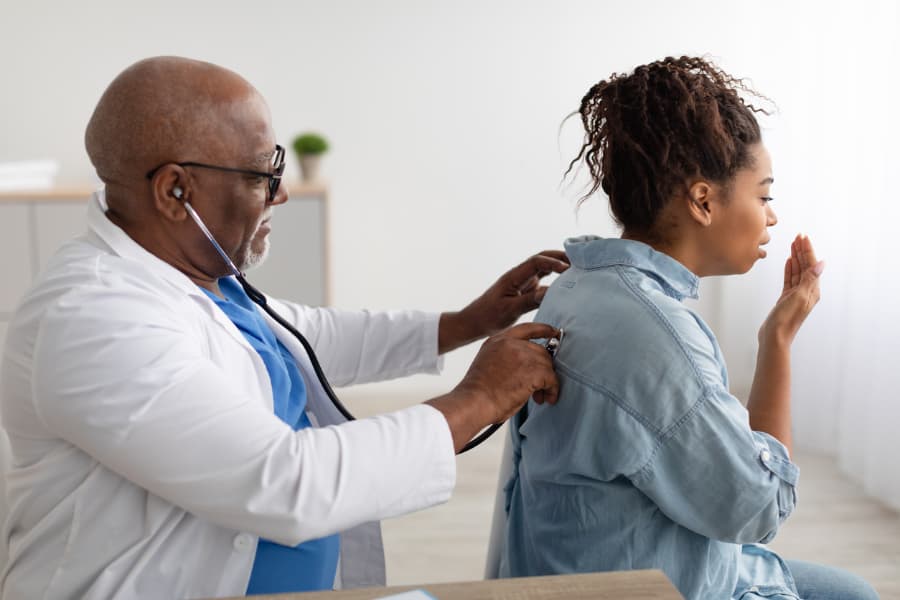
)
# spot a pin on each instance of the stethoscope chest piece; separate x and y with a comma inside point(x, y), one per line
point(552, 344)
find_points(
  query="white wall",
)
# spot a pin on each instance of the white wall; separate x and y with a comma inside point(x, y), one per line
point(444, 119)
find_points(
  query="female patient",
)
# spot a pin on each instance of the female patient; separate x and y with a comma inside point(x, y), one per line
point(648, 461)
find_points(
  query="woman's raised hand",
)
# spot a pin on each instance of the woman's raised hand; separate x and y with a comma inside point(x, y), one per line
point(799, 295)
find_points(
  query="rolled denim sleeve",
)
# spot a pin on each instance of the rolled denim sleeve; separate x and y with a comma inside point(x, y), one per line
point(774, 456)
point(715, 476)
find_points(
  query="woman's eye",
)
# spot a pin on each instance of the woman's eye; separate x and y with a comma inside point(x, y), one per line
point(767, 198)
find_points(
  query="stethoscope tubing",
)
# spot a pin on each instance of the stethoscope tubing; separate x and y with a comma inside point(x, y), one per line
point(260, 299)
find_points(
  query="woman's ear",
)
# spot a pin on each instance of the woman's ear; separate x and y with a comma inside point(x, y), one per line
point(698, 199)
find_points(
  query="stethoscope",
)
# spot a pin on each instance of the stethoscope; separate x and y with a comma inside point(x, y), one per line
point(260, 299)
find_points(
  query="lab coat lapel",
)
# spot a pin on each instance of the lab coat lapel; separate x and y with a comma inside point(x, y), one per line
point(123, 245)
point(317, 401)
point(362, 550)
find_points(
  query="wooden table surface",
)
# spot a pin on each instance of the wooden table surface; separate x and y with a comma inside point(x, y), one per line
point(620, 585)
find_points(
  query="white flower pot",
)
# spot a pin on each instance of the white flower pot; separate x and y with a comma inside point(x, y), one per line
point(309, 167)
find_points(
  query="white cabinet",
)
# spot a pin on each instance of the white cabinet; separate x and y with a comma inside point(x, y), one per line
point(15, 255)
point(55, 223)
point(296, 268)
point(34, 224)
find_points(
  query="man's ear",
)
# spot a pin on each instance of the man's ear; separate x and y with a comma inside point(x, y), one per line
point(170, 190)
point(698, 197)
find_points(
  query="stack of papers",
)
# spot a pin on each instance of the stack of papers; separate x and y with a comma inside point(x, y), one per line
point(28, 175)
point(413, 595)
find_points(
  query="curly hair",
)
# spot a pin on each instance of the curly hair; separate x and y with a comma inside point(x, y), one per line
point(649, 132)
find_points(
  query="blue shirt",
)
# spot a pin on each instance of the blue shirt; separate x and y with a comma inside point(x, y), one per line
point(647, 461)
point(276, 568)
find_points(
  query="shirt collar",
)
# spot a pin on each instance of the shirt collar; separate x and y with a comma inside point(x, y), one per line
point(592, 252)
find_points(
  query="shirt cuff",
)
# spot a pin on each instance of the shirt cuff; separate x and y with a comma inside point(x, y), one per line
point(444, 454)
point(774, 456)
point(432, 362)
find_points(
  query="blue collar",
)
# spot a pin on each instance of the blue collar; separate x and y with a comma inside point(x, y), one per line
point(591, 252)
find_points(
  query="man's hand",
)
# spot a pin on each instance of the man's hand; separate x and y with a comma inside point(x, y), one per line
point(798, 297)
point(507, 371)
point(514, 294)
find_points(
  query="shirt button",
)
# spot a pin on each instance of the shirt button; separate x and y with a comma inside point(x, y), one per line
point(243, 542)
point(765, 455)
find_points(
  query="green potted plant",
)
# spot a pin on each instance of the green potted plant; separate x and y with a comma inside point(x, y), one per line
point(309, 147)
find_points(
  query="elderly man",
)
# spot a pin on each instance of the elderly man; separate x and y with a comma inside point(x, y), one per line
point(168, 439)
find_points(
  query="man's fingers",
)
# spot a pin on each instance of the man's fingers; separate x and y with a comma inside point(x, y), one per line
point(557, 254)
point(527, 302)
point(539, 265)
point(550, 394)
point(546, 388)
point(529, 285)
point(530, 331)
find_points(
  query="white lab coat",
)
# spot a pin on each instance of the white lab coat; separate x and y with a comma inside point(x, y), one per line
point(146, 458)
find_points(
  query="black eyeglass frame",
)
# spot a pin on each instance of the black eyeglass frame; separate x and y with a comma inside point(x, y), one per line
point(274, 177)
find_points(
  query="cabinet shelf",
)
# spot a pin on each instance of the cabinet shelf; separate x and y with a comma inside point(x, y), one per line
point(34, 223)
point(79, 193)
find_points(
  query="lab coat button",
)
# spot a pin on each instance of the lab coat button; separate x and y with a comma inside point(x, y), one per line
point(243, 542)
point(765, 455)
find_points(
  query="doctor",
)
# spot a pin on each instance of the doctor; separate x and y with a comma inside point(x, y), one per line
point(168, 439)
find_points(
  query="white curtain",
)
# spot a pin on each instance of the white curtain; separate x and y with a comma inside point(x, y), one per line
point(868, 384)
point(837, 165)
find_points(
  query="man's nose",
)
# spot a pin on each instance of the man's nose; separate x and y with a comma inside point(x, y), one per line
point(281, 195)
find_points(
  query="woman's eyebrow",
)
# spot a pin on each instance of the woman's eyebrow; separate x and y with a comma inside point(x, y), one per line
point(767, 180)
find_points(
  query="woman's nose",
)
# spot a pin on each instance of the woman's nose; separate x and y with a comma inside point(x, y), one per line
point(771, 217)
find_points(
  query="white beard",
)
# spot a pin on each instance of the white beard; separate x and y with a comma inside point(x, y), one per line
point(253, 259)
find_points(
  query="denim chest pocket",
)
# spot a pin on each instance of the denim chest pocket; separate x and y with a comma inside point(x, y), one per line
point(771, 592)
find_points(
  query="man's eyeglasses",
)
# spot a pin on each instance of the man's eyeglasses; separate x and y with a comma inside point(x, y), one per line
point(274, 177)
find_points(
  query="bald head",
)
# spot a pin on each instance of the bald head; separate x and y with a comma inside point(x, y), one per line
point(166, 109)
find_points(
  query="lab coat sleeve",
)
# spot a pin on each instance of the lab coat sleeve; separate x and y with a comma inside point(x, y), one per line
point(123, 377)
point(364, 346)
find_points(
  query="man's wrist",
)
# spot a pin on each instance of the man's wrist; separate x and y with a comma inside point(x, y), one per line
point(468, 409)
point(456, 329)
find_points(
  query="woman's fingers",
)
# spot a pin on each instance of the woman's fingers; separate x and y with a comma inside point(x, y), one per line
point(802, 259)
point(788, 275)
point(807, 254)
point(796, 265)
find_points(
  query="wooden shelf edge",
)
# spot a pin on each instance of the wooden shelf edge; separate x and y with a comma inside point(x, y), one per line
point(59, 193)
point(80, 193)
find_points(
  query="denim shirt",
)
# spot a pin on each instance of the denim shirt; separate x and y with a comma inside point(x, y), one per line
point(647, 461)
